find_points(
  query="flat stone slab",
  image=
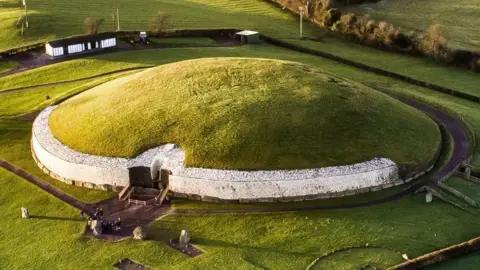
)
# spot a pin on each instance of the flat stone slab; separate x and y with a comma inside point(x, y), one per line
point(127, 264)
point(188, 250)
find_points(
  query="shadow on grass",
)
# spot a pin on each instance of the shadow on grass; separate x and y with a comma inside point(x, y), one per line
point(58, 218)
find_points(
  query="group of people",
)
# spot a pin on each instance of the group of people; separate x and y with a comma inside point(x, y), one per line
point(107, 226)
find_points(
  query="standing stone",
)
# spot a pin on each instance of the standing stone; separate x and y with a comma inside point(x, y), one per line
point(468, 172)
point(96, 227)
point(184, 238)
point(25, 213)
point(428, 197)
point(139, 233)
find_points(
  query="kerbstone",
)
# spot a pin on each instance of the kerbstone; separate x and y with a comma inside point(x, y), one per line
point(222, 185)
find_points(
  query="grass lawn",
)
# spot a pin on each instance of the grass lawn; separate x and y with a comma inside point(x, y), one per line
point(469, 262)
point(284, 240)
point(357, 258)
point(293, 240)
point(223, 110)
point(414, 67)
point(183, 41)
point(27, 101)
point(459, 18)
point(15, 147)
point(67, 17)
point(7, 66)
point(53, 238)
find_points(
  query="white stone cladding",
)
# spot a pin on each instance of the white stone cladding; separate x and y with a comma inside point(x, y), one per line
point(222, 184)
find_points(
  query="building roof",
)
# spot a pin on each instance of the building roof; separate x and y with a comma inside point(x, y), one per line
point(80, 39)
point(246, 33)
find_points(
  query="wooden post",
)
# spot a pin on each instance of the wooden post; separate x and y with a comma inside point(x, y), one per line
point(118, 21)
point(301, 21)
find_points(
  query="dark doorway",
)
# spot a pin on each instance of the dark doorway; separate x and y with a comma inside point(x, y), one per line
point(140, 177)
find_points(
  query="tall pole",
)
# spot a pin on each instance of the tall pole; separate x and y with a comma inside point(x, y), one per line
point(118, 21)
point(301, 22)
point(26, 13)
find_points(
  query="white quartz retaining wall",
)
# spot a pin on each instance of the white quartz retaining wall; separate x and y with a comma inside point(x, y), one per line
point(78, 168)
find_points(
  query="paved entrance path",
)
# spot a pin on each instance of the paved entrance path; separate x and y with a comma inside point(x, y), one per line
point(131, 215)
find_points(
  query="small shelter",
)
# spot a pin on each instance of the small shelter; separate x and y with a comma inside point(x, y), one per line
point(248, 37)
point(143, 37)
point(80, 44)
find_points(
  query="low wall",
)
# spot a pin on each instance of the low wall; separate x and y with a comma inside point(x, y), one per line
point(77, 168)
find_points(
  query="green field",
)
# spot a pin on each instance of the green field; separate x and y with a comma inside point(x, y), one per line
point(221, 111)
point(53, 237)
point(7, 66)
point(66, 18)
point(469, 262)
point(459, 18)
point(182, 42)
point(283, 240)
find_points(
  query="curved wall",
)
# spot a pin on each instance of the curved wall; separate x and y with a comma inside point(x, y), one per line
point(74, 167)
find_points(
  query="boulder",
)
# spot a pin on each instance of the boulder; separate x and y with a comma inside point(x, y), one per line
point(25, 213)
point(96, 227)
point(428, 197)
point(139, 233)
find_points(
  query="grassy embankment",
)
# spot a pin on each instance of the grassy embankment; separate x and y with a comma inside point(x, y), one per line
point(65, 20)
point(459, 18)
point(104, 63)
point(290, 240)
point(221, 111)
point(7, 66)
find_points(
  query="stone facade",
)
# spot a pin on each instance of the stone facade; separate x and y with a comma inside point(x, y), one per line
point(77, 168)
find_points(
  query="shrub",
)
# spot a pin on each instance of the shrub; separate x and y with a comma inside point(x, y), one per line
point(158, 22)
point(92, 26)
point(433, 43)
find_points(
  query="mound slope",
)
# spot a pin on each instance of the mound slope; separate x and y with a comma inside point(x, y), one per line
point(237, 113)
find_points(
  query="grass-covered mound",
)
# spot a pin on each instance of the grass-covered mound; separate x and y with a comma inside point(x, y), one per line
point(246, 114)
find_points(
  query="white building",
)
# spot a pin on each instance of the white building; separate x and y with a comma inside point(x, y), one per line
point(80, 44)
point(248, 37)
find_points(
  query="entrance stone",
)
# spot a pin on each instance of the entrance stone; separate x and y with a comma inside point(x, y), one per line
point(428, 197)
point(96, 227)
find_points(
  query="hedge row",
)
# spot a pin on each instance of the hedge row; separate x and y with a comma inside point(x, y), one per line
point(380, 34)
point(379, 71)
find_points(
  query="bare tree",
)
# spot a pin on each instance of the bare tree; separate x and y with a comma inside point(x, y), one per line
point(92, 26)
point(158, 22)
